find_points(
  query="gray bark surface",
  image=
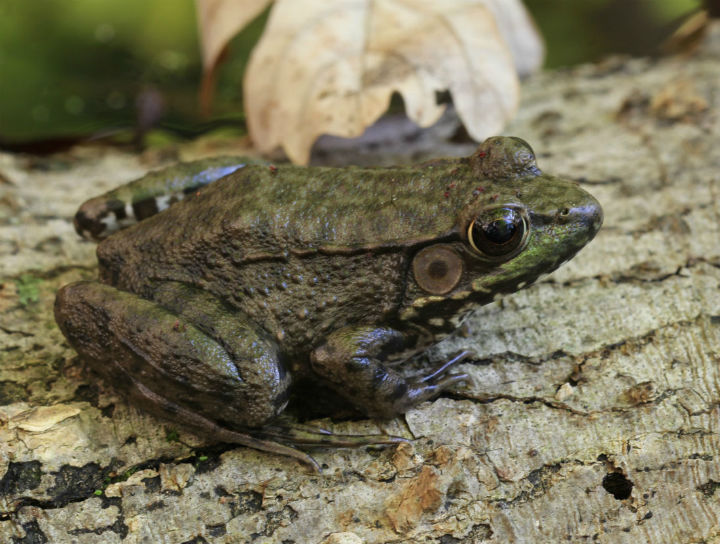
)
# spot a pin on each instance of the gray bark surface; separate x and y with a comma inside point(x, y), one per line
point(594, 409)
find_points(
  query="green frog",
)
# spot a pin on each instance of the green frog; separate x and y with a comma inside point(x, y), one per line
point(223, 282)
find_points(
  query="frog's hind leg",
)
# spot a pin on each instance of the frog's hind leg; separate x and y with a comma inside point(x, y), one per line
point(188, 358)
point(169, 367)
point(99, 217)
point(212, 317)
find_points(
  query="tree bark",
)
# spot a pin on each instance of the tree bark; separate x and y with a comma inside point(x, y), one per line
point(593, 414)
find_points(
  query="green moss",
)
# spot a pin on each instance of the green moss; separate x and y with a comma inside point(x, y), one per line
point(28, 289)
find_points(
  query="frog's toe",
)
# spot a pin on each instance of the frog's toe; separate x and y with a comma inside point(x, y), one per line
point(258, 441)
point(441, 371)
point(432, 385)
point(306, 435)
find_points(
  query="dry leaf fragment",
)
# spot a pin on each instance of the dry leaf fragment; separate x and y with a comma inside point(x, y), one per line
point(41, 418)
point(519, 31)
point(220, 20)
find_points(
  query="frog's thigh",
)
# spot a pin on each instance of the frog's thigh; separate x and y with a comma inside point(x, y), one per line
point(167, 364)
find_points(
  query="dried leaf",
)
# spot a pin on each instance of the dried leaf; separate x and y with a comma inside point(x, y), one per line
point(519, 31)
point(331, 68)
point(219, 21)
point(688, 38)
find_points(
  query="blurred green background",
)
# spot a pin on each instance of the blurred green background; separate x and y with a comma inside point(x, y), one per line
point(93, 68)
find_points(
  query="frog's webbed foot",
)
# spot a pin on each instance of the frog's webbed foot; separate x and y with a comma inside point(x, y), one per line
point(256, 439)
point(274, 439)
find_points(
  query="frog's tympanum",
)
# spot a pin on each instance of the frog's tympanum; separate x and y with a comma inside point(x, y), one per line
point(217, 296)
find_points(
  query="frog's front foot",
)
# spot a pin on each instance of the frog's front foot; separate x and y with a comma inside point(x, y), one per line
point(430, 386)
point(350, 362)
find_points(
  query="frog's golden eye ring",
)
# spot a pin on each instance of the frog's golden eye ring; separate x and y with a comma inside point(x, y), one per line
point(499, 233)
point(437, 269)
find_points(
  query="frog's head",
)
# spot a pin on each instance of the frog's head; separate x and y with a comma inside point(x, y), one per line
point(518, 226)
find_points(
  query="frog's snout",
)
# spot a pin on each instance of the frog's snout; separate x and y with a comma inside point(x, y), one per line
point(583, 221)
point(591, 213)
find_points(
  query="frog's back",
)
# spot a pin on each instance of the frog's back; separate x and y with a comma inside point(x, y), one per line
point(263, 212)
point(300, 251)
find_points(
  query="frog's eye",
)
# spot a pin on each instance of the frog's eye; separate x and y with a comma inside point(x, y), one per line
point(437, 269)
point(499, 233)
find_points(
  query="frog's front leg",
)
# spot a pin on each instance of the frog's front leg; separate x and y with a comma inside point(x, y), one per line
point(350, 361)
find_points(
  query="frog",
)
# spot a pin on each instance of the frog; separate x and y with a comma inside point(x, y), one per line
point(224, 282)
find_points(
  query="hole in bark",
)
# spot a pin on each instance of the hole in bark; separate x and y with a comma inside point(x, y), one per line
point(617, 485)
